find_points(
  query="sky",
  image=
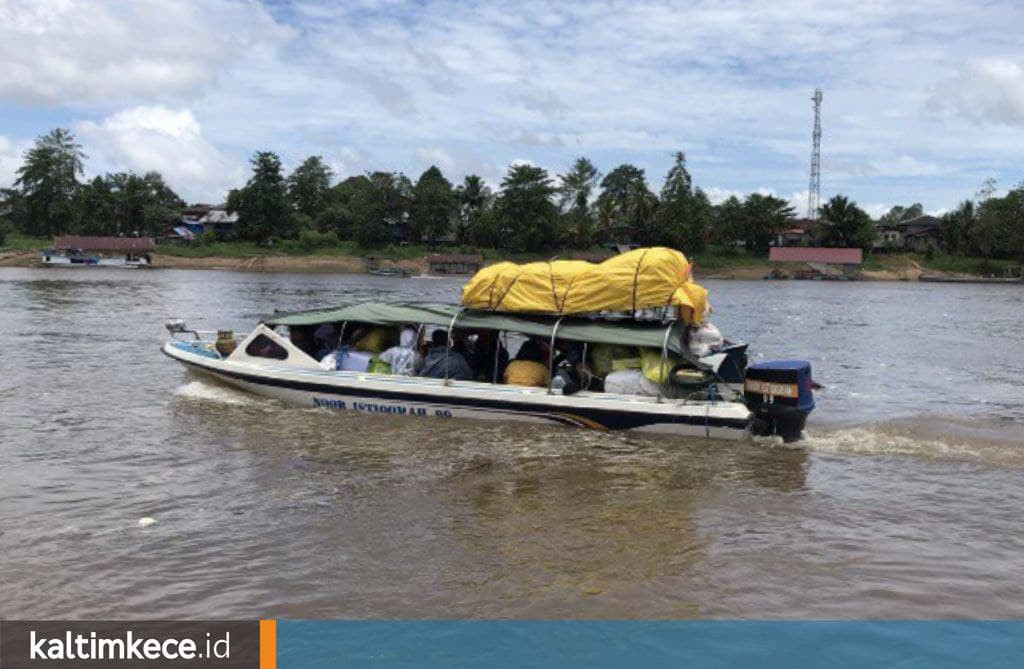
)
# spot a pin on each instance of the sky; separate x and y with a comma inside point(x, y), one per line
point(922, 100)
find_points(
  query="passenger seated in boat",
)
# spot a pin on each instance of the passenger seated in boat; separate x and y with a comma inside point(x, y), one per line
point(441, 363)
point(403, 359)
point(326, 339)
point(488, 346)
point(302, 337)
point(528, 369)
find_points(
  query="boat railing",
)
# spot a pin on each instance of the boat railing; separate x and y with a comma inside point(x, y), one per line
point(448, 345)
point(551, 353)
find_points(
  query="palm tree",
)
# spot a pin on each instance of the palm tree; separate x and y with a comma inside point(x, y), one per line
point(472, 195)
point(640, 204)
point(845, 224)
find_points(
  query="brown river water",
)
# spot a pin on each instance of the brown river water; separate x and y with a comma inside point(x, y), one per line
point(905, 501)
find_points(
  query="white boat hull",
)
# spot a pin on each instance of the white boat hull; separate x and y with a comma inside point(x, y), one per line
point(416, 397)
point(65, 261)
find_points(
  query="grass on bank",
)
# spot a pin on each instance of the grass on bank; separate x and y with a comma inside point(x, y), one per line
point(15, 242)
point(966, 265)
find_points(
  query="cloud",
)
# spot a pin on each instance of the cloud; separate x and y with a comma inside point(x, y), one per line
point(86, 52)
point(11, 154)
point(547, 103)
point(984, 89)
point(436, 156)
point(485, 82)
point(346, 162)
point(533, 139)
point(166, 140)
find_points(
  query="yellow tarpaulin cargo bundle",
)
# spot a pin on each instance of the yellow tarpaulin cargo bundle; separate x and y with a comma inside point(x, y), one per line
point(640, 279)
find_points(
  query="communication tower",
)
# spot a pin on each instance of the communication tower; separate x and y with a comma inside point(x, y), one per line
point(814, 191)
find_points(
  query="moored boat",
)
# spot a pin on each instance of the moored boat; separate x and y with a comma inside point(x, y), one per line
point(122, 252)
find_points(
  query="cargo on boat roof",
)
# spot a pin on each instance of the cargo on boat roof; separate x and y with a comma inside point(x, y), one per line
point(649, 278)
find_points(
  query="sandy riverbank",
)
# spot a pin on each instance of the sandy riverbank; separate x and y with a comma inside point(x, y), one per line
point(893, 268)
point(340, 264)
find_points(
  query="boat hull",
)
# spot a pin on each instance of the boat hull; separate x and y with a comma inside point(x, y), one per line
point(431, 398)
point(90, 261)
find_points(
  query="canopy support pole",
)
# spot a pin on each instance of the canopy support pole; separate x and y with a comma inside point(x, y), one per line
point(497, 352)
point(551, 353)
point(664, 359)
point(448, 346)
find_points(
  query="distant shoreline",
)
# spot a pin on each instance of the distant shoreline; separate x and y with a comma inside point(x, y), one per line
point(894, 268)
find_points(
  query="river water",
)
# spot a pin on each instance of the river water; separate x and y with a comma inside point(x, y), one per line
point(905, 501)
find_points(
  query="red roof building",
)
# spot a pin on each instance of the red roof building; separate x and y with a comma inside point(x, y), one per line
point(809, 254)
point(100, 244)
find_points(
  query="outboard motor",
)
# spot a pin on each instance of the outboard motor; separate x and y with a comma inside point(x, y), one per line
point(780, 395)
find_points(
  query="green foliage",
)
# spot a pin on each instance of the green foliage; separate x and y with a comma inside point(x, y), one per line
point(526, 219)
point(208, 238)
point(125, 204)
point(579, 220)
point(262, 204)
point(485, 229)
point(728, 223)
point(958, 228)
point(844, 224)
point(378, 204)
point(999, 229)
point(683, 217)
point(970, 265)
point(334, 218)
point(626, 205)
point(432, 208)
point(309, 187)
point(47, 183)
point(49, 200)
point(761, 218)
point(528, 216)
point(5, 230)
point(310, 240)
point(900, 213)
point(474, 200)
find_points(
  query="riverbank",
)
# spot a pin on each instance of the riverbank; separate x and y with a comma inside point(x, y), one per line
point(349, 259)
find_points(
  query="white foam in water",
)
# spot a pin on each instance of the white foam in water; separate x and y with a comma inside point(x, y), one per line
point(213, 392)
point(930, 437)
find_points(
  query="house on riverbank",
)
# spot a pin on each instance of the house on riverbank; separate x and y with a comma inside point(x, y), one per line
point(916, 234)
point(199, 218)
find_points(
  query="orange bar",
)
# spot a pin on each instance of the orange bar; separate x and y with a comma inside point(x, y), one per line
point(268, 644)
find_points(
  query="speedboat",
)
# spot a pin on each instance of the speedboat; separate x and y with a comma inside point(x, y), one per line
point(702, 393)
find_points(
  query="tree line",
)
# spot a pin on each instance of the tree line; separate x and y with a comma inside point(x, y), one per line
point(48, 198)
point(985, 226)
point(532, 210)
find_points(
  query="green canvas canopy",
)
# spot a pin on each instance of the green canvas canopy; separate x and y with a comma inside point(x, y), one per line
point(570, 329)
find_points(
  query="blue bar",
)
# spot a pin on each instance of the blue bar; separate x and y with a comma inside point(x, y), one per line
point(635, 644)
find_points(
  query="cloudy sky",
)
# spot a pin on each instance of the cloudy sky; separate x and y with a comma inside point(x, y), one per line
point(922, 100)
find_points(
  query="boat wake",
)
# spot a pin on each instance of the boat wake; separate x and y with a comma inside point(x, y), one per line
point(987, 441)
point(206, 391)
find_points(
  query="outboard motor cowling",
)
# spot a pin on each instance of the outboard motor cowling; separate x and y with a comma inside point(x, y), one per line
point(779, 394)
